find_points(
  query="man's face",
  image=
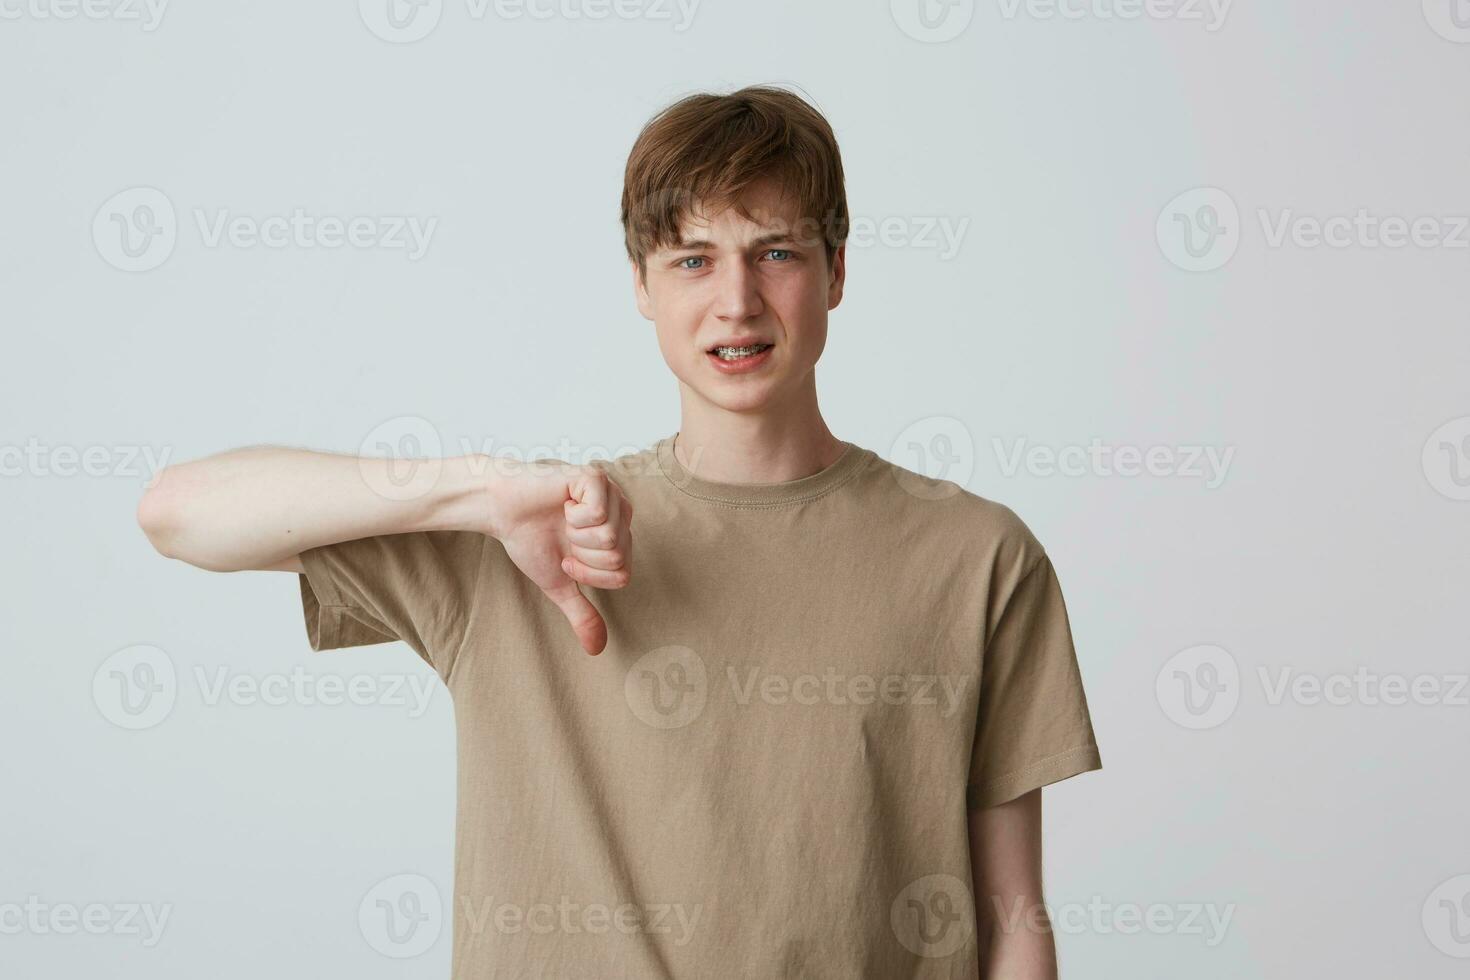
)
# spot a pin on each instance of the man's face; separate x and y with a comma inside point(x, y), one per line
point(733, 280)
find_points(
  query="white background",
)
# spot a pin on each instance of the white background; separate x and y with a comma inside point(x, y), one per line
point(1334, 542)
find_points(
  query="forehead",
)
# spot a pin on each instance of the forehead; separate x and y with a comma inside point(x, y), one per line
point(761, 208)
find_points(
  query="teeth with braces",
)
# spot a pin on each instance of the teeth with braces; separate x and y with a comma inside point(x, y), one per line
point(730, 353)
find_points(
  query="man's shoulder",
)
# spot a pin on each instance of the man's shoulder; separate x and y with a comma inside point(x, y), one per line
point(942, 509)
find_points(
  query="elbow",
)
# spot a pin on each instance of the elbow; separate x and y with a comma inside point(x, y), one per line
point(157, 516)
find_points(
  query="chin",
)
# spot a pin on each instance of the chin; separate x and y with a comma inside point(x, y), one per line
point(738, 401)
point(735, 397)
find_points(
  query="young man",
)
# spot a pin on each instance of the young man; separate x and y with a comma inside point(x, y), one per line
point(813, 740)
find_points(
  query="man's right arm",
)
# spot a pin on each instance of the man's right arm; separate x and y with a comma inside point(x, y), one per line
point(259, 508)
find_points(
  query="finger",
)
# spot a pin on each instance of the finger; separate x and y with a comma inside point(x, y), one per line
point(584, 618)
point(607, 559)
point(596, 577)
point(625, 543)
point(592, 502)
point(600, 536)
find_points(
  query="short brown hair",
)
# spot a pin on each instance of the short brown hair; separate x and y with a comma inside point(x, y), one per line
point(706, 149)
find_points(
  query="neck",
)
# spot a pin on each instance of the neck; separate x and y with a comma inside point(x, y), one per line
point(755, 447)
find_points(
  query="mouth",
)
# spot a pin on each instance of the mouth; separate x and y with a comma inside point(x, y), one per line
point(738, 353)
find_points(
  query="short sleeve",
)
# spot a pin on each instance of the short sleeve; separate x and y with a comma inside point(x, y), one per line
point(1033, 727)
point(417, 587)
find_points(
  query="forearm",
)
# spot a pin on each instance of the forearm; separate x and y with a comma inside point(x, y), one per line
point(1013, 929)
point(1017, 947)
point(256, 507)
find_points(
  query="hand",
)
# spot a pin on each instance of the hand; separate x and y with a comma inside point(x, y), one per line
point(563, 524)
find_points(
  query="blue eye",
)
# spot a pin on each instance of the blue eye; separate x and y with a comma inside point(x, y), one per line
point(684, 262)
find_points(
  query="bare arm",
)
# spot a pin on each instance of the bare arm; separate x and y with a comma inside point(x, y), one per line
point(259, 508)
point(1014, 931)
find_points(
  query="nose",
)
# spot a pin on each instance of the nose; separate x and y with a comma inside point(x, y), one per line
point(737, 292)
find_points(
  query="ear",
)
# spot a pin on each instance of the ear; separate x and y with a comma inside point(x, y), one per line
point(640, 293)
point(838, 277)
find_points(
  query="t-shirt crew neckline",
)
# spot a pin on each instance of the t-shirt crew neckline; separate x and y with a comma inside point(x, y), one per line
point(759, 494)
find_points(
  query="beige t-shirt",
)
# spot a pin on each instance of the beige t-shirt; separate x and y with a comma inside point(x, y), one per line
point(767, 771)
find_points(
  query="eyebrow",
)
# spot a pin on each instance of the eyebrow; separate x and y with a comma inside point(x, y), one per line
point(770, 239)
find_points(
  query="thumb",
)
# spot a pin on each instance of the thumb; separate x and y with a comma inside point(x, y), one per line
point(585, 619)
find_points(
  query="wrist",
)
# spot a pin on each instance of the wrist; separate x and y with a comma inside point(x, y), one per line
point(462, 496)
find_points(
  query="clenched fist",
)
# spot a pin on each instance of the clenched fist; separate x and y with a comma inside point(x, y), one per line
point(563, 524)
